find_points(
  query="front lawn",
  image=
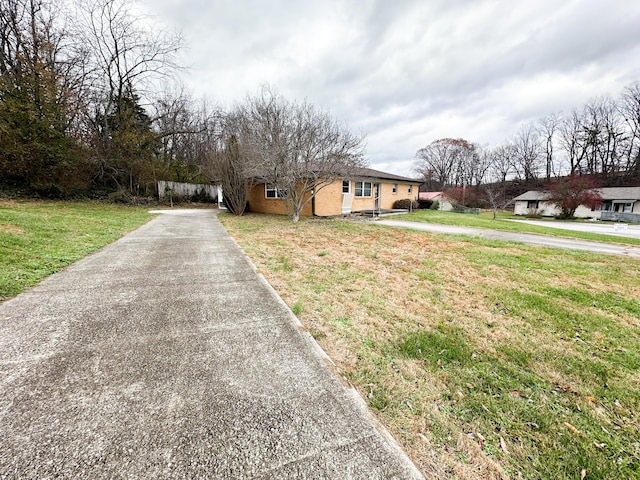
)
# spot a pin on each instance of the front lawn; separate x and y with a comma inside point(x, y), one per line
point(40, 238)
point(485, 359)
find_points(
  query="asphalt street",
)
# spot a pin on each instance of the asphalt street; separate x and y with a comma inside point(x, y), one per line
point(529, 238)
point(619, 229)
point(165, 355)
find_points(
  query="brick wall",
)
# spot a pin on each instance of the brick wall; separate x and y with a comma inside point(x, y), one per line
point(328, 201)
point(258, 202)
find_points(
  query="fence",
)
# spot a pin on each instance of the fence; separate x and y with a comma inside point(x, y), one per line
point(460, 209)
point(187, 190)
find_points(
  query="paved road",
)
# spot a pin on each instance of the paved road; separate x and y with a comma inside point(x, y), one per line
point(529, 238)
point(165, 355)
point(604, 228)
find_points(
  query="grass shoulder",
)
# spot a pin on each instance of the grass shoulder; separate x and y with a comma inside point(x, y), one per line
point(38, 238)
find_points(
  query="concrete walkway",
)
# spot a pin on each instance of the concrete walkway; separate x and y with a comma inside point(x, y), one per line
point(165, 355)
point(529, 238)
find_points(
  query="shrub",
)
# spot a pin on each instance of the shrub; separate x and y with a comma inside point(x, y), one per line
point(406, 204)
point(478, 203)
point(51, 191)
point(533, 213)
point(119, 196)
point(435, 205)
point(202, 196)
point(425, 204)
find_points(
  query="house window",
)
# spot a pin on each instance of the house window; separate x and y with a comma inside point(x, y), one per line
point(346, 186)
point(395, 188)
point(628, 208)
point(532, 204)
point(410, 188)
point(271, 191)
point(606, 206)
point(363, 189)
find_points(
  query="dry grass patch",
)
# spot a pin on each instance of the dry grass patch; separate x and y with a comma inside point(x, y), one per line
point(12, 229)
point(481, 351)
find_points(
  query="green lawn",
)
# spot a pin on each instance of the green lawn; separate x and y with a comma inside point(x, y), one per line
point(486, 359)
point(40, 238)
point(503, 222)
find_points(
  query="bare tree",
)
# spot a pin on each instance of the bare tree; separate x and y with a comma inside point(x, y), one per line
point(126, 57)
point(126, 53)
point(187, 132)
point(602, 134)
point(482, 164)
point(501, 162)
point(547, 127)
point(496, 196)
point(300, 148)
point(573, 140)
point(234, 159)
point(526, 150)
point(447, 160)
point(629, 107)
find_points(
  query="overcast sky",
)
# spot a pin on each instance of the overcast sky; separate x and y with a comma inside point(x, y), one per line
point(408, 72)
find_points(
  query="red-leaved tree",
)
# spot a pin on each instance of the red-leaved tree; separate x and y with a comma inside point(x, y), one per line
point(570, 192)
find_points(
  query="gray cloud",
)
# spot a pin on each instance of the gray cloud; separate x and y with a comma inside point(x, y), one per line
point(409, 72)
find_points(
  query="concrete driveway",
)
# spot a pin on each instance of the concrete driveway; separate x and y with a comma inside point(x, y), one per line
point(529, 238)
point(165, 355)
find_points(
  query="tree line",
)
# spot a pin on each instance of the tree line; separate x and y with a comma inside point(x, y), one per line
point(74, 112)
point(601, 139)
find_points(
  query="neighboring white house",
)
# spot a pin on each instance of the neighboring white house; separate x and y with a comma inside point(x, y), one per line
point(618, 204)
point(444, 202)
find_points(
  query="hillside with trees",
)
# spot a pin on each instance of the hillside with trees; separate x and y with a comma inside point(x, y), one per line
point(88, 108)
point(600, 140)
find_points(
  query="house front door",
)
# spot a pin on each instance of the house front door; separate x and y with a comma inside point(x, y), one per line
point(376, 203)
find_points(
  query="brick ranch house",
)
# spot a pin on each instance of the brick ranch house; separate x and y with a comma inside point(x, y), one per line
point(365, 189)
point(618, 204)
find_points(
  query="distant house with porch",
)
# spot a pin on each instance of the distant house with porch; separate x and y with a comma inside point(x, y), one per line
point(363, 190)
point(620, 204)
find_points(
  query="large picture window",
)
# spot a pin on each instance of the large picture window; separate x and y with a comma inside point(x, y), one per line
point(272, 192)
point(363, 189)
